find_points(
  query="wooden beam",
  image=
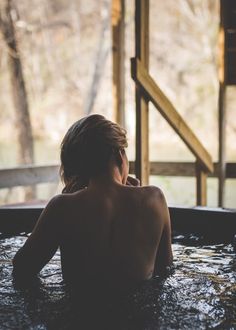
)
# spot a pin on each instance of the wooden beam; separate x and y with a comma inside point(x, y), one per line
point(201, 185)
point(228, 41)
point(230, 170)
point(223, 76)
point(184, 169)
point(168, 111)
point(28, 175)
point(118, 59)
point(222, 142)
point(142, 129)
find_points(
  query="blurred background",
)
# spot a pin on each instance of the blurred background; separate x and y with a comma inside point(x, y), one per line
point(65, 51)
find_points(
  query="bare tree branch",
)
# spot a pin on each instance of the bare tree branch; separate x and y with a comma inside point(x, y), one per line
point(100, 59)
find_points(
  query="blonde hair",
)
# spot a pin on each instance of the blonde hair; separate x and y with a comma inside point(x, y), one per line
point(87, 148)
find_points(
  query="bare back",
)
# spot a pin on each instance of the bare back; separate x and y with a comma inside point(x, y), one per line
point(118, 235)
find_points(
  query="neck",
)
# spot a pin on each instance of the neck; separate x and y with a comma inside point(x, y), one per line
point(111, 177)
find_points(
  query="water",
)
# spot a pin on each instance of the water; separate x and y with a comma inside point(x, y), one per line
point(199, 294)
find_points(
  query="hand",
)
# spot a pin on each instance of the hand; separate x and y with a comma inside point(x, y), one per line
point(132, 181)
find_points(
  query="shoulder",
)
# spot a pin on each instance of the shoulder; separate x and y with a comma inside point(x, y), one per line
point(154, 190)
point(61, 200)
point(51, 215)
point(153, 194)
point(146, 195)
point(56, 201)
point(155, 202)
point(61, 203)
point(55, 205)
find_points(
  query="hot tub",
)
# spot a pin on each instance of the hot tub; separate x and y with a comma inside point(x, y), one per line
point(200, 293)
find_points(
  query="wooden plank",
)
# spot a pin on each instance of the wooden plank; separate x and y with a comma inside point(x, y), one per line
point(221, 66)
point(230, 171)
point(228, 41)
point(201, 185)
point(118, 59)
point(184, 169)
point(168, 111)
point(228, 13)
point(223, 77)
point(28, 175)
point(222, 40)
point(222, 143)
point(142, 128)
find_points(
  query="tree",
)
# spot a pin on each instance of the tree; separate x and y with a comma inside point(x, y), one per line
point(23, 124)
point(99, 62)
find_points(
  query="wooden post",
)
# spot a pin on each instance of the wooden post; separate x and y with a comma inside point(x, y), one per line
point(221, 106)
point(142, 129)
point(222, 138)
point(118, 50)
point(201, 177)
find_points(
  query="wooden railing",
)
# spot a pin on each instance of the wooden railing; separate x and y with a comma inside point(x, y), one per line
point(31, 175)
point(28, 175)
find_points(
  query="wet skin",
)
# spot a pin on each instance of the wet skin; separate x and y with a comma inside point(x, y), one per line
point(113, 232)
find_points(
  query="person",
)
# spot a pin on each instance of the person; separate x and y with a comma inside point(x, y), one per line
point(111, 231)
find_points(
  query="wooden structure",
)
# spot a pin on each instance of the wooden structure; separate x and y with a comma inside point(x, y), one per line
point(28, 175)
point(227, 76)
point(148, 90)
point(31, 175)
point(142, 54)
point(151, 91)
point(118, 58)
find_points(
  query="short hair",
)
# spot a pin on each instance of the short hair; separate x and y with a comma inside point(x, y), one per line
point(87, 148)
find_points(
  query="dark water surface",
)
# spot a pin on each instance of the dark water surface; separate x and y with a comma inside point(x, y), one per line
point(199, 294)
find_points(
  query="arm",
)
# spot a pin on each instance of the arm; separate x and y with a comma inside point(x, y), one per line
point(41, 245)
point(164, 256)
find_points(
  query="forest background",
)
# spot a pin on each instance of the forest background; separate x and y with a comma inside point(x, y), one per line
point(65, 50)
